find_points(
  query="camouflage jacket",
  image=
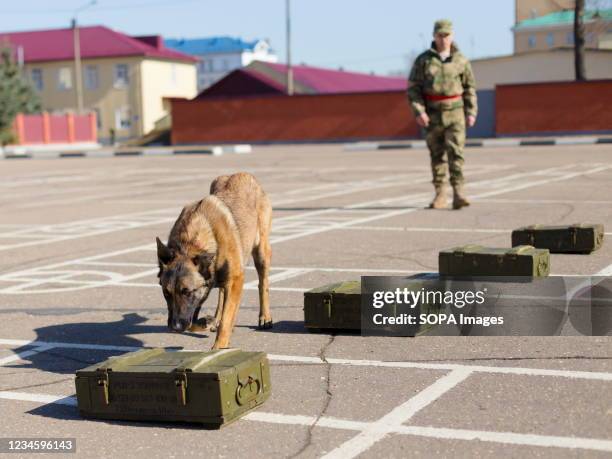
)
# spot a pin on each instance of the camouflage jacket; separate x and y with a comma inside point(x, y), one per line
point(429, 75)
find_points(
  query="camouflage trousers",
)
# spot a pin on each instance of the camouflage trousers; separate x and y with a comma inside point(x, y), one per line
point(445, 138)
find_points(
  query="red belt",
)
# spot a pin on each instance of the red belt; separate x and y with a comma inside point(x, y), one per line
point(438, 97)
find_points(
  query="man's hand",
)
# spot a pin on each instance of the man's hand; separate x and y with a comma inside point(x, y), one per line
point(422, 120)
point(471, 120)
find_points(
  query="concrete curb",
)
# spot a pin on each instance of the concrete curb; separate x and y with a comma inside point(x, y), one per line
point(489, 143)
point(128, 152)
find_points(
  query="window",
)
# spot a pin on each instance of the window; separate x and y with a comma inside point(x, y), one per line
point(123, 118)
point(64, 79)
point(122, 77)
point(37, 79)
point(569, 38)
point(91, 77)
point(550, 39)
point(531, 41)
point(211, 67)
point(225, 64)
point(590, 37)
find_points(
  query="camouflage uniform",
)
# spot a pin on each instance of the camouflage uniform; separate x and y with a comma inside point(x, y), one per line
point(431, 79)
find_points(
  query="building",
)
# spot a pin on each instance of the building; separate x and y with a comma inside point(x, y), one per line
point(125, 80)
point(530, 9)
point(218, 56)
point(261, 78)
point(556, 29)
point(541, 66)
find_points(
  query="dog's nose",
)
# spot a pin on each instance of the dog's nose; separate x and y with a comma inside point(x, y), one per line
point(179, 325)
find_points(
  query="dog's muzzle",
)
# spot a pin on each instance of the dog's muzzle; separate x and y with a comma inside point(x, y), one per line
point(179, 325)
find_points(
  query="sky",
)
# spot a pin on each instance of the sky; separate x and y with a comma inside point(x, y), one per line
point(380, 36)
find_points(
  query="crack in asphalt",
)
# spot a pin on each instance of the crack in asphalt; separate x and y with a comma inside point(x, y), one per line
point(328, 396)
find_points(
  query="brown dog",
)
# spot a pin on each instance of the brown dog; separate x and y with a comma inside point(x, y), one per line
point(208, 247)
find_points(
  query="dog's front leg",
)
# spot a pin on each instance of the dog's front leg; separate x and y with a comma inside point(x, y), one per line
point(219, 311)
point(232, 296)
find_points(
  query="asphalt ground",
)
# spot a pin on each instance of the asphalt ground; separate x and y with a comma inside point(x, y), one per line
point(78, 284)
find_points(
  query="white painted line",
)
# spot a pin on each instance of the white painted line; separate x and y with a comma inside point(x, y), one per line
point(427, 229)
point(38, 398)
point(94, 347)
point(544, 201)
point(283, 275)
point(589, 375)
point(508, 438)
point(288, 419)
point(23, 355)
point(378, 430)
point(335, 423)
point(605, 272)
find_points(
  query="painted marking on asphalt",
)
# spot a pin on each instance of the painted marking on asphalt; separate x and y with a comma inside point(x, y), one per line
point(379, 429)
point(571, 374)
point(509, 438)
point(25, 354)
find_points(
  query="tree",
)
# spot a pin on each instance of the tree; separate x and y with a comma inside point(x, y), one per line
point(579, 40)
point(16, 95)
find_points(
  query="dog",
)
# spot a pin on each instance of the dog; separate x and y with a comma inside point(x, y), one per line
point(208, 247)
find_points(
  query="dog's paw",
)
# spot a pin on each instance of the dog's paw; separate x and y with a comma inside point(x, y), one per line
point(265, 324)
point(206, 323)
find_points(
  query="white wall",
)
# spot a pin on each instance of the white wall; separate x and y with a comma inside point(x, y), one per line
point(554, 65)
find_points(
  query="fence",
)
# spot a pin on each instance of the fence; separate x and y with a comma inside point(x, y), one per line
point(299, 118)
point(45, 128)
point(554, 108)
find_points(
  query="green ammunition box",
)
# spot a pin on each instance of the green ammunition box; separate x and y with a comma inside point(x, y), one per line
point(578, 238)
point(337, 307)
point(475, 260)
point(212, 388)
point(333, 306)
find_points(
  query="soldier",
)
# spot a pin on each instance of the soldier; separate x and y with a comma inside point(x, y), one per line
point(443, 98)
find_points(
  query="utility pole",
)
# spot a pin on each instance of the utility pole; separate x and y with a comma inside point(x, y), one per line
point(579, 41)
point(78, 78)
point(289, 69)
point(77, 67)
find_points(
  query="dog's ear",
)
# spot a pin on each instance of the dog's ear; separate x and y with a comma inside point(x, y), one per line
point(204, 262)
point(164, 254)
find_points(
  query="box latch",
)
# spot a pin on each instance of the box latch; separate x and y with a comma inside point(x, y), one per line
point(327, 305)
point(180, 381)
point(573, 233)
point(103, 384)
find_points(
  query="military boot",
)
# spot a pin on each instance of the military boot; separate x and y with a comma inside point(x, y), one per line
point(459, 199)
point(439, 201)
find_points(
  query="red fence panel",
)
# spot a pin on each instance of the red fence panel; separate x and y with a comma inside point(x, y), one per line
point(555, 107)
point(329, 117)
point(58, 132)
point(33, 129)
point(45, 128)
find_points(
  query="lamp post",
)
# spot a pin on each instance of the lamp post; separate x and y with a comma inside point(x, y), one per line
point(78, 79)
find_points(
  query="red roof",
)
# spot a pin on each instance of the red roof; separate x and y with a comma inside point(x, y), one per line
point(337, 81)
point(260, 78)
point(95, 42)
